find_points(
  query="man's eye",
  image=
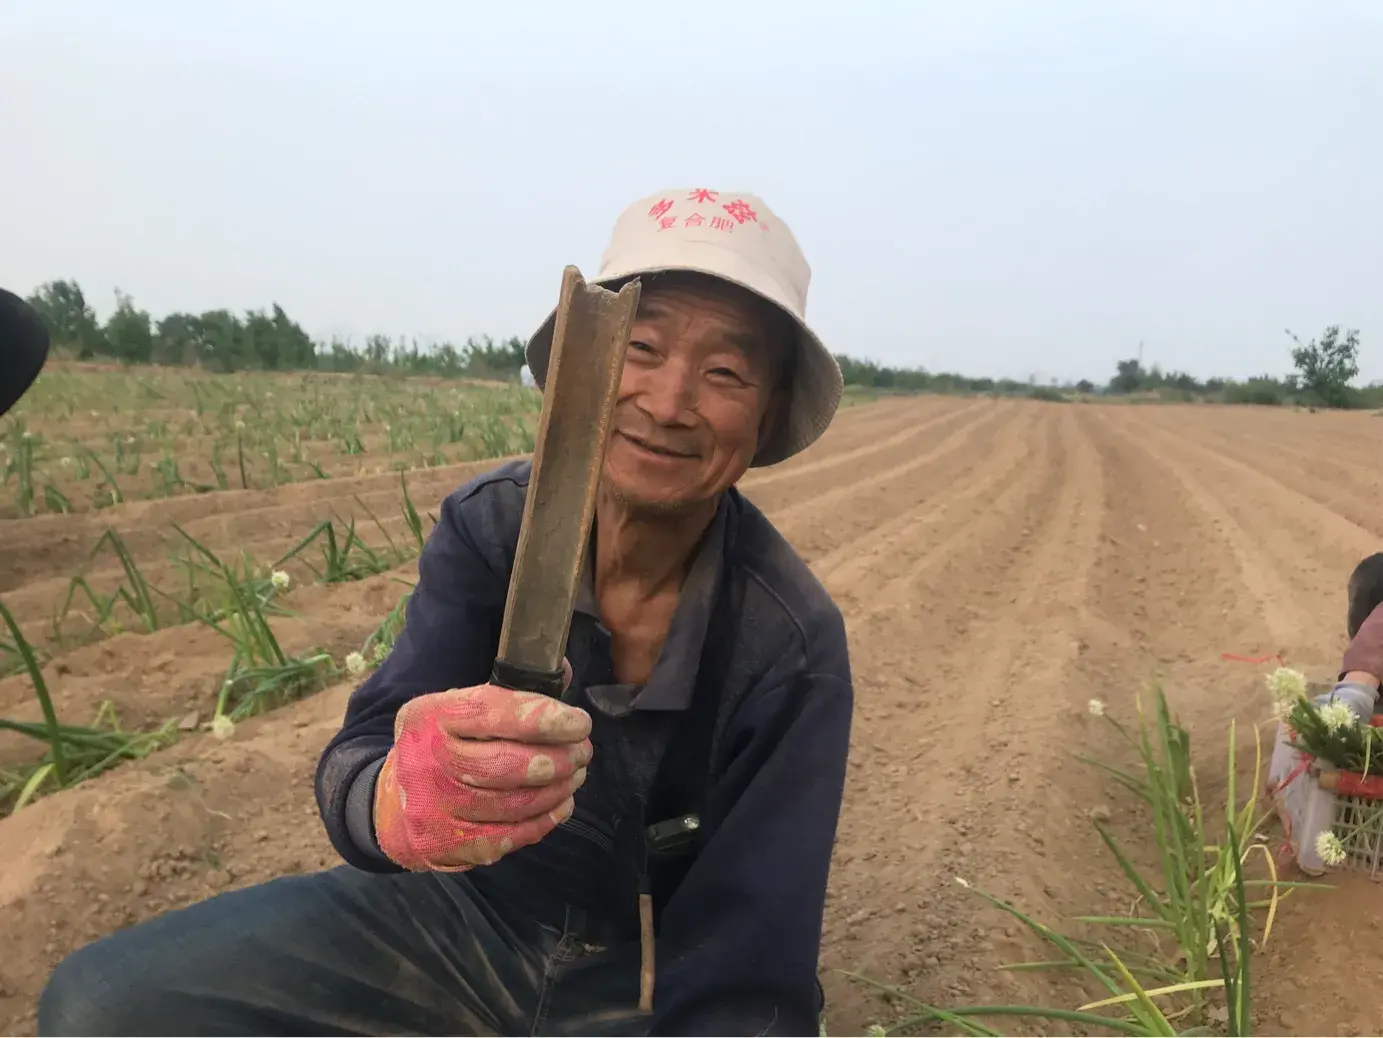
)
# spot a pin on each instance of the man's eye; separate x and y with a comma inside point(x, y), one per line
point(642, 347)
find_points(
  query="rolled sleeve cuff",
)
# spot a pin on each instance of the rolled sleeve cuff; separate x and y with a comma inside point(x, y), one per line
point(360, 811)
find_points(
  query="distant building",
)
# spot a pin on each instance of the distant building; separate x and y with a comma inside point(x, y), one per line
point(526, 377)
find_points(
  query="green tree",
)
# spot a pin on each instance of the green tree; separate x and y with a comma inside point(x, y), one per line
point(1186, 383)
point(70, 319)
point(177, 340)
point(1328, 366)
point(258, 345)
point(448, 359)
point(377, 350)
point(1262, 389)
point(275, 342)
point(294, 346)
point(222, 341)
point(1130, 377)
point(485, 358)
point(129, 332)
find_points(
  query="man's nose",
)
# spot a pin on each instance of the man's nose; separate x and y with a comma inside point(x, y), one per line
point(669, 393)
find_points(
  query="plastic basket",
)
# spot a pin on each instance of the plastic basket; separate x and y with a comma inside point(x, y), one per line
point(1357, 819)
point(1312, 796)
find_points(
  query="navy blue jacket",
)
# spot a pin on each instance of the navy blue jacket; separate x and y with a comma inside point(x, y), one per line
point(739, 925)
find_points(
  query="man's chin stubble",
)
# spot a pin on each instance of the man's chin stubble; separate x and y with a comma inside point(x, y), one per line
point(641, 508)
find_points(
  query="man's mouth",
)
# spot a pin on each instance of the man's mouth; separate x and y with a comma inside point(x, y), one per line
point(653, 448)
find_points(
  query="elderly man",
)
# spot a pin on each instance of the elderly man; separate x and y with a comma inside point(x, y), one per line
point(501, 844)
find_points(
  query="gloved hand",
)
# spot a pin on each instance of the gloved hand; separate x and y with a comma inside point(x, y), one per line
point(1365, 652)
point(1360, 698)
point(476, 773)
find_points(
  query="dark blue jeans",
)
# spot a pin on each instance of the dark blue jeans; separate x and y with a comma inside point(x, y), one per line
point(347, 952)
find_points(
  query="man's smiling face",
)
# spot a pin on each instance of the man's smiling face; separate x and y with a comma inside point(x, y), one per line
point(698, 393)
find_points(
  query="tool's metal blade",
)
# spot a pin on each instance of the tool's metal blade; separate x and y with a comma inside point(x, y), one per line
point(583, 374)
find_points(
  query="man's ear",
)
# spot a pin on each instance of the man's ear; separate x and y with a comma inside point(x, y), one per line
point(783, 363)
point(775, 414)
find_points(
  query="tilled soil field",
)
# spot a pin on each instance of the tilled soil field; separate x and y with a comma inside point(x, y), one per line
point(1000, 563)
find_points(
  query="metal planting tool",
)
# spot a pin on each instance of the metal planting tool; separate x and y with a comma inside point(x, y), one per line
point(589, 341)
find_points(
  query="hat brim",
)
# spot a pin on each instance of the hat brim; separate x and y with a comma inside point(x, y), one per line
point(817, 384)
point(23, 348)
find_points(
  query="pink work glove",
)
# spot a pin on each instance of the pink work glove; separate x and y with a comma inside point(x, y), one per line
point(476, 773)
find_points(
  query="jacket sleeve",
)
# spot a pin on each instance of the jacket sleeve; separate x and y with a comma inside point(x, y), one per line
point(449, 639)
point(739, 940)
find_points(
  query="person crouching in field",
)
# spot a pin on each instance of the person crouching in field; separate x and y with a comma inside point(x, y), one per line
point(1361, 669)
point(499, 842)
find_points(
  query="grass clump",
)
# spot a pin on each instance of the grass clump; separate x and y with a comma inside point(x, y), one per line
point(380, 642)
point(1196, 910)
point(261, 674)
point(346, 557)
point(72, 753)
point(136, 593)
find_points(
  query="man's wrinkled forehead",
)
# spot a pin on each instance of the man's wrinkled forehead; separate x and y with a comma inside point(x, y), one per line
point(768, 332)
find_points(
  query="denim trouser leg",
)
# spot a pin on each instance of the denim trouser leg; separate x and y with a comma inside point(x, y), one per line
point(344, 952)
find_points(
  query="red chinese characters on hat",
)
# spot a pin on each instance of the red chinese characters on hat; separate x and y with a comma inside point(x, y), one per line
point(739, 209)
point(737, 213)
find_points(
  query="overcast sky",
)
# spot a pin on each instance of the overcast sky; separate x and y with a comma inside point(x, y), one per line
point(995, 188)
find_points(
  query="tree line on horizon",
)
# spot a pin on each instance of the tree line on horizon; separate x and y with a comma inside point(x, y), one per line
point(224, 341)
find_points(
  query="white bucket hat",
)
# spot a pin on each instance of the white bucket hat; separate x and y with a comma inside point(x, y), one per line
point(733, 236)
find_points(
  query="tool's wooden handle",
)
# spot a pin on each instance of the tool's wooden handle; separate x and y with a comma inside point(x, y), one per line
point(526, 679)
point(647, 964)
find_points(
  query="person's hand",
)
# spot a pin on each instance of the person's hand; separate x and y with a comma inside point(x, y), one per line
point(1364, 657)
point(476, 773)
